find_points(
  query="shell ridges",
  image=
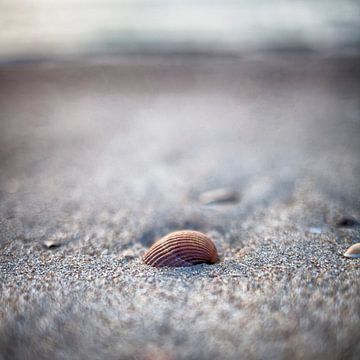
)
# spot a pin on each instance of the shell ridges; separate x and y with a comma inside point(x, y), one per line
point(181, 248)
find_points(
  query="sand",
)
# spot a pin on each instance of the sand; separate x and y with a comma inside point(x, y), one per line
point(100, 158)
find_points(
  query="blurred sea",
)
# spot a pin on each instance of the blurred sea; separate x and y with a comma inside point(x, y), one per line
point(53, 28)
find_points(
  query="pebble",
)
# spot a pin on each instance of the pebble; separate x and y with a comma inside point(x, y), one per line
point(51, 243)
point(219, 196)
point(128, 254)
point(315, 230)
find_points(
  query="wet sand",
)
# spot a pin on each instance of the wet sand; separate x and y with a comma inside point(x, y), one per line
point(104, 157)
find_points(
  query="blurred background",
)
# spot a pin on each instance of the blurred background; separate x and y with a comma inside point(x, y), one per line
point(32, 29)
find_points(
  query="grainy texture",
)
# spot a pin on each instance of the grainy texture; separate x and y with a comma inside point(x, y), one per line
point(101, 160)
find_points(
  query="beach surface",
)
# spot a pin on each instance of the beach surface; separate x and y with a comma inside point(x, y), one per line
point(100, 158)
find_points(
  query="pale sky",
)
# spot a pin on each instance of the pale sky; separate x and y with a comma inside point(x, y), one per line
point(53, 27)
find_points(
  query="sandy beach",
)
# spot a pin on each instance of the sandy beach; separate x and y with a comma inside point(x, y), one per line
point(100, 158)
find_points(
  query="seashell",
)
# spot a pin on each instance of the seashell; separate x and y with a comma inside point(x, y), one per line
point(182, 248)
point(353, 251)
point(219, 196)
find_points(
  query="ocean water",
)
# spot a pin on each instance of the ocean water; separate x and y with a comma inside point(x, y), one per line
point(35, 28)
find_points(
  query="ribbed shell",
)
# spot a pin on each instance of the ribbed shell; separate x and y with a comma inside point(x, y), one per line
point(181, 248)
point(353, 251)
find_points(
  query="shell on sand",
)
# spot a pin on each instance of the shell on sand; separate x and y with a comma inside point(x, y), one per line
point(182, 248)
point(219, 196)
point(353, 251)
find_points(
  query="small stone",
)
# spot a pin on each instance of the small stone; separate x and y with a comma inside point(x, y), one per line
point(219, 196)
point(315, 230)
point(51, 243)
point(128, 254)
